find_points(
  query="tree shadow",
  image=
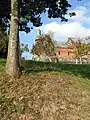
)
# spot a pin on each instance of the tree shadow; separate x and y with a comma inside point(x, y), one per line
point(2, 62)
point(75, 69)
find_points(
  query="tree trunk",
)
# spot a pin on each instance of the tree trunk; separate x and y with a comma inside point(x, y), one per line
point(13, 63)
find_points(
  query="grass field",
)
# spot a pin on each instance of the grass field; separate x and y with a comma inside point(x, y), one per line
point(46, 91)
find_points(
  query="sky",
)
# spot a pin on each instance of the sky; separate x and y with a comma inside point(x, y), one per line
point(77, 26)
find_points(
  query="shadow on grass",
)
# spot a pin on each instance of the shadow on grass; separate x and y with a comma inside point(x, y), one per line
point(2, 62)
point(36, 67)
point(78, 70)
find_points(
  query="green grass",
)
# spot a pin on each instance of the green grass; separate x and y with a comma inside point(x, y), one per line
point(45, 91)
point(29, 66)
point(82, 70)
point(2, 64)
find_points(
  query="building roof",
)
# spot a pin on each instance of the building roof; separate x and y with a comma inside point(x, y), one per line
point(60, 44)
point(83, 40)
point(71, 41)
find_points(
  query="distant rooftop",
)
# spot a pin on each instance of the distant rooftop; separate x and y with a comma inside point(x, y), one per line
point(65, 44)
point(83, 40)
point(60, 44)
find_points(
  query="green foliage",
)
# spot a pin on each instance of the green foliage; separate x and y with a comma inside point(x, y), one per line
point(3, 43)
point(81, 49)
point(44, 46)
point(72, 14)
point(23, 48)
point(26, 49)
point(2, 64)
point(31, 10)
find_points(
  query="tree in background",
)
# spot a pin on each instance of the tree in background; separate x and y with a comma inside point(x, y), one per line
point(81, 49)
point(3, 43)
point(44, 46)
point(21, 49)
point(24, 48)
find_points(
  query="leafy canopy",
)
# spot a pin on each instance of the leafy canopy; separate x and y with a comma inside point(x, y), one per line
point(31, 10)
point(81, 49)
point(44, 46)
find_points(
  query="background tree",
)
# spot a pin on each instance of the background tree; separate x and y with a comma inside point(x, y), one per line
point(3, 43)
point(24, 48)
point(44, 46)
point(21, 49)
point(81, 49)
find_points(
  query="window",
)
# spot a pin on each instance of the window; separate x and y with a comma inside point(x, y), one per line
point(68, 53)
point(59, 52)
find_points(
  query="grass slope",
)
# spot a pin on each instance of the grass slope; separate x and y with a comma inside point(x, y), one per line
point(53, 94)
point(82, 70)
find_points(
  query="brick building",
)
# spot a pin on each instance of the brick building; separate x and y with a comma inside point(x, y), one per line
point(66, 51)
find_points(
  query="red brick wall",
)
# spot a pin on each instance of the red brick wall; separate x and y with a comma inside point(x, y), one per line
point(65, 53)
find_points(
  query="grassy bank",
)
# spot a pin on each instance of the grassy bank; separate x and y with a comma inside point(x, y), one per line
point(82, 70)
point(30, 66)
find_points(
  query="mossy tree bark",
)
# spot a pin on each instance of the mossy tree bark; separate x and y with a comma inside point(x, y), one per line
point(13, 63)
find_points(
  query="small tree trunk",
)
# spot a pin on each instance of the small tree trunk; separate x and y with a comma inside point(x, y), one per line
point(13, 63)
point(50, 60)
point(76, 61)
point(80, 60)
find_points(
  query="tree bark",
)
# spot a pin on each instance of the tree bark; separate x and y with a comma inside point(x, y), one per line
point(13, 63)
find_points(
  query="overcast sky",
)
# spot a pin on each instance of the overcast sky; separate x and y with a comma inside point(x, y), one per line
point(77, 26)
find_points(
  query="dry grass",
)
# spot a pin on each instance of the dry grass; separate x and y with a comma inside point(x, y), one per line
point(44, 96)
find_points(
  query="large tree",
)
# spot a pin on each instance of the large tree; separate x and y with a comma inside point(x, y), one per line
point(44, 47)
point(20, 12)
